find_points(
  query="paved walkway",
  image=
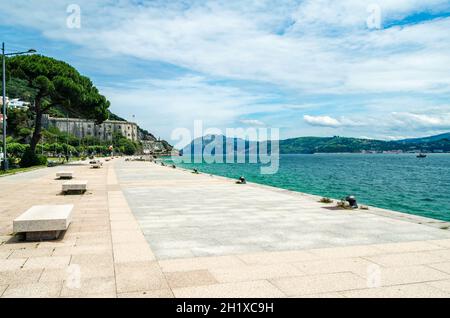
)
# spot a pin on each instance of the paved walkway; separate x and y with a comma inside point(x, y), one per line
point(144, 230)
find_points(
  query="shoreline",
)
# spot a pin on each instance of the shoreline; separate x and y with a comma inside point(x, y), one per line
point(399, 215)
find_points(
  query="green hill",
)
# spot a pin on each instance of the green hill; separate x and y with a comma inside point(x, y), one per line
point(310, 145)
point(334, 145)
point(354, 145)
point(435, 138)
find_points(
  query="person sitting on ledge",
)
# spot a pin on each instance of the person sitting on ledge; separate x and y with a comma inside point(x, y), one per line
point(173, 166)
point(241, 180)
point(195, 171)
point(163, 164)
point(352, 201)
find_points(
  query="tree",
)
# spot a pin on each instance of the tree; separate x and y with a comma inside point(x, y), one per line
point(57, 84)
point(127, 147)
point(124, 145)
point(18, 88)
point(16, 150)
point(18, 123)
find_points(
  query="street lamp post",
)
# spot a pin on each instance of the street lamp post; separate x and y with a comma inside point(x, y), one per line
point(4, 55)
point(5, 161)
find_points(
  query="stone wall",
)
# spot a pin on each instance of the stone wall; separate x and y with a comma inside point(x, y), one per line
point(87, 128)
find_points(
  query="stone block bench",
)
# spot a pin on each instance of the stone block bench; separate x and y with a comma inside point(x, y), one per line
point(44, 222)
point(64, 174)
point(96, 165)
point(79, 186)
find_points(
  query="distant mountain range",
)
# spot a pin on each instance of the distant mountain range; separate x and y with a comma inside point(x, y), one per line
point(427, 139)
point(309, 145)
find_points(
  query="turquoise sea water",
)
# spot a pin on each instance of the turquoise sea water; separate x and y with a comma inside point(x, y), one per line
point(397, 182)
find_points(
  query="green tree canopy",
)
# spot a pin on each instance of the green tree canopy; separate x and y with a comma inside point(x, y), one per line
point(57, 84)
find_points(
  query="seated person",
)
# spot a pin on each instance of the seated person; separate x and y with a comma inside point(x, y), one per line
point(241, 180)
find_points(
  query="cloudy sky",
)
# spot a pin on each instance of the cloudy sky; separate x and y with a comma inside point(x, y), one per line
point(357, 68)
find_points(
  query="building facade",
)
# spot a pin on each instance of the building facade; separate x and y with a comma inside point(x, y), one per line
point(15, 103)
point(82, 128)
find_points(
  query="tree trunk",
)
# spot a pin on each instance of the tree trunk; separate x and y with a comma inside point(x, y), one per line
point(37, 131)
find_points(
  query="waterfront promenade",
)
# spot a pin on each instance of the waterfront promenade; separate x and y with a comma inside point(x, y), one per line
point(143, 230)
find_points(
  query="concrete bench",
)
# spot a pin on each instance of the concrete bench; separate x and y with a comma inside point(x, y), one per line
point(44, 222)
point(64, 174)
point(74, 186)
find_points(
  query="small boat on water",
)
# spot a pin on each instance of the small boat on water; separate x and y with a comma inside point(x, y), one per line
point(421, 155)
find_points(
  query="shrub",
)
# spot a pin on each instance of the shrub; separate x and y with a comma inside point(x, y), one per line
point(16, 150)
point(30, 159)
point(55, 148)
point(42, 160)
point(127, 147)
point(25, 132)
point(68, 149)
point(11, 163)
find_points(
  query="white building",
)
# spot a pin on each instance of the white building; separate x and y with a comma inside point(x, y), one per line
point(18, 104)
point(15, 103)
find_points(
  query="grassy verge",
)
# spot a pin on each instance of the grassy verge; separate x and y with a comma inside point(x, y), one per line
point(19, 170)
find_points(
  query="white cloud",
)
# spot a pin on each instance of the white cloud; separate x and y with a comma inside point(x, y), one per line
point(164, 105)
point(238, 40)
point(252, 122)
point(422, 120)
point(324, 121)
point(328, 121)
point(346, 14)
point(319, 48)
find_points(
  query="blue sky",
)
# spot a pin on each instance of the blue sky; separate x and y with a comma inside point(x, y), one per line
point(306, 67)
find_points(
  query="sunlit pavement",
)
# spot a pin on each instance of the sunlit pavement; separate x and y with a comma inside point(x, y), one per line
point(143, 230)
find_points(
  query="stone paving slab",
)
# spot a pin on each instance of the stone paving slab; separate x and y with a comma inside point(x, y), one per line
point(250, 289)
point(149, 231)
point(402, 291)
point(186, 215)
point(321, 283)
point(34, 290)
point(190, 278)
point(443, 285)
point(443, 267)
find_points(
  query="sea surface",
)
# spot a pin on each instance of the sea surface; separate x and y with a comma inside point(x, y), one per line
point(400, 182)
